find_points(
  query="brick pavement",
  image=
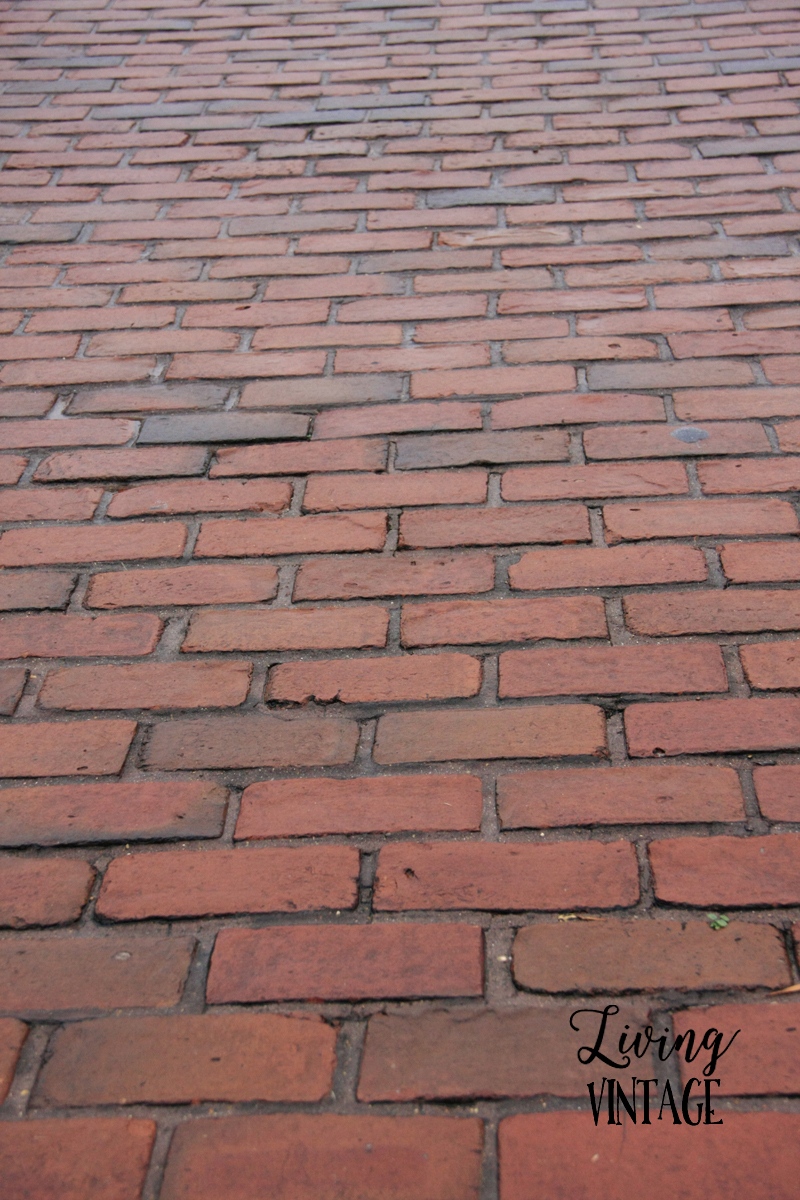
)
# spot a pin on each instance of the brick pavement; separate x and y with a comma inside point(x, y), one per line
point(400, 451)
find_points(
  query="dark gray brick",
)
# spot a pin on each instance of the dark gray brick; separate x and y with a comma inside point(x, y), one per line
point(223, 427)
point(764, 145)
point(461, 449)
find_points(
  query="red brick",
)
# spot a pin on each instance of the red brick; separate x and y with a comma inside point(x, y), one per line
point(657, 441)
point(328, 492)
point(26, 404)
point(180, 883)
point(772, 665)
point(92, 973)
point(610, 670)
point(749, 562)
point(87, 432)
point(56, 635)
point(698, 404)
point(712, 611)
point(599, 567)
point(288, 629)
point(12, 684)
point(742, 476)
point(174, 1060)
point(764, 1057)
point(495, 526)
point(11, 467)
point(42, 891)
point(618, 796)
point(467, 621)
point(446, 875)
point(48, 504)
point(789, 436)
point(139, 462)
point(221, 684)
point(753, 1153)
point(110, 812)
point(12, 1038)
point(103, 1157)
point(456, 450)
point(492, 382)
point(201, 496)
point(385, 680)
point(291, 535)
point(730, 871)
point(415, 358)
point(642, 954)
point(398, 575)
point(577, 482)
point(781, 369)
point(471, 1052)
point(35, 589)
point(698, 518)
point(236, 1158)
point(388, 803)
point(713, 726)
point(193, 584)
point(57, 372)
point(251, 740)
point(778, 790)
point(572, 300)
point(91, 543)
point(391, 418)
point(342, 962)
point(539, 732)
point(298, 458)
point(71, 748)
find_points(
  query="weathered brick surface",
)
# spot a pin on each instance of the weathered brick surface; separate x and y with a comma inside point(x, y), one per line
point(346, 961)
point(100, 1156)
point(12, 1038)
point(753, 1152)
point(765, 1061)
point(399, 457)
point(358, 1156)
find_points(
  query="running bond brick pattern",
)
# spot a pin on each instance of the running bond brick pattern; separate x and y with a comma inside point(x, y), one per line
point(399, 624)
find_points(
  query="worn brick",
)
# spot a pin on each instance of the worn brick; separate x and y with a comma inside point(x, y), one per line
point(471, 1052)
point(705, 373)
point(447, 875)
point(539, 732)
point(765, 1055)
point(110, 812)
point(599, 567)
point(778, 791)
point(772, 665)
point(72, 635)
point(698, 518)
point(221, 684)
point(431, 528)
point(12, 1038)
point(204, 495)
point(235, 1158)
point(389, 803)
point(91, 543)
point(92, 973)
point(251, 740)
point(385, 680)
point(712, 611)
point(713, 726)
point(401, 574)
point(155, 462)
point(291, 535)
point(298, 458)
point(104, 1157)
point(729, 871)
point(587, 481)
point(91, 431)
point(199, 583)
point(172, 1060)
point(35, 589)
point(11, 467)
point(12, 683)
point(455, 450)
point(42, 891)
point(618, 796)
point(391, 418)
point(222, 427)
point(657, 441)
point(641, 954)
point(178, 883)
point(65, 748)
point(752, 1151)
point(468, 621)
point(576, 409)
point(48, 504)
point(610, 670)
point(333, 492)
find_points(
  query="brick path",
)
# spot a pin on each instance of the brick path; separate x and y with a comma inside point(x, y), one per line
point(400, 450)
